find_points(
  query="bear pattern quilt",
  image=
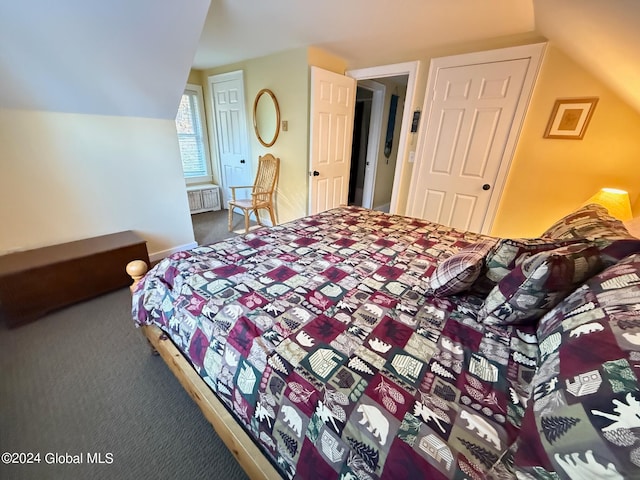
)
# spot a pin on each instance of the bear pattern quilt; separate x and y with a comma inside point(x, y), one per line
point(322, 339)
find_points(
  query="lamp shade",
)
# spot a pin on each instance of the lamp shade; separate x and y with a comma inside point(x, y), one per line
point(615, 201)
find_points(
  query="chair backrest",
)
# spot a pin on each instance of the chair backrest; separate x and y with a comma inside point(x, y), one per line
point(266, 178)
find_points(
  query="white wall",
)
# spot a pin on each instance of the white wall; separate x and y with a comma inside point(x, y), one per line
point(88, 97)
point(67, 176)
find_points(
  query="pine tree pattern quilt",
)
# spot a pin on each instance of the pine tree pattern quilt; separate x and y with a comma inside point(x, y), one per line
point(322, 338)
point(583, 420)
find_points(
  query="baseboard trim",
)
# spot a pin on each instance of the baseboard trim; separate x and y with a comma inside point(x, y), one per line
point(383, 208)
point(157, 256)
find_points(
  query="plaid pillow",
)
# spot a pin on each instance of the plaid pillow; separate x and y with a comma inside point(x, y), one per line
point(539, 283)
point(507, 254)
point(590, 221)
point(458, 272)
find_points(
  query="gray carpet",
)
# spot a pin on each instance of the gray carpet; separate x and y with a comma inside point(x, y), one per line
point(82, 380)
point(210, 227)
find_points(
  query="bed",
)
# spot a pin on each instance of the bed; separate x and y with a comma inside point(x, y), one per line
point(356, 344)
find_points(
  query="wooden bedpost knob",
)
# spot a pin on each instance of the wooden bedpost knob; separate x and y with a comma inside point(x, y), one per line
point(136, 270)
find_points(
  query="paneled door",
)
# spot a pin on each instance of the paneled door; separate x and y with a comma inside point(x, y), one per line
point(232, 144)
point(475, 113)
point(332, 112)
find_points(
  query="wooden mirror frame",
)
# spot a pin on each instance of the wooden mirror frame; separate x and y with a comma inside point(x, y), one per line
point(255, 121)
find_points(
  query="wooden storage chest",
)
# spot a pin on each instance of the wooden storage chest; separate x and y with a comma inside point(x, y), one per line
point(35, 282)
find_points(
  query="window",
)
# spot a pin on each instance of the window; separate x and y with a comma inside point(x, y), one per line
point(192, 136)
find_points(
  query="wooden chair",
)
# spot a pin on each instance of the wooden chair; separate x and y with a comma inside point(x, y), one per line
point(261, 192)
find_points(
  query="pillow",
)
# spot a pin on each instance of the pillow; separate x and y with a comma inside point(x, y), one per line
point(582, 416)
point(613, 250)
point(507, 254)
point(458, 272)
point(590, 221)
point(539, 283)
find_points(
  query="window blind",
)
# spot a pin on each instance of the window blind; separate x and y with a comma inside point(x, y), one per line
point(190, 136)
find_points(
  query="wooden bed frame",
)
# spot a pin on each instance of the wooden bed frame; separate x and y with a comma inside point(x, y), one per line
point(241, 445)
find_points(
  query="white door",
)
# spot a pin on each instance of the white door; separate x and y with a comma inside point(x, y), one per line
point(231, 133)
point(332, 112)
point(475, 112)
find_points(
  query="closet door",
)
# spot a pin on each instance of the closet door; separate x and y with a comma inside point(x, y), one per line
point(475, 114)
point(227, 90)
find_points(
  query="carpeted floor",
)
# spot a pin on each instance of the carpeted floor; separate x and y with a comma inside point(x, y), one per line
point(83, 381)
point(209, 227)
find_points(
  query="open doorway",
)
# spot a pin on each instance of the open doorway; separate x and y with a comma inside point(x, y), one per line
point(379, 109)
point(361, 121)
point(329, 188)
point(387, 137)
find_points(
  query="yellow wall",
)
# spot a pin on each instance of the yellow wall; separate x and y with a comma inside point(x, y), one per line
point(323, 59)
point(286, 74)
point(196, 77)
point(550, 177)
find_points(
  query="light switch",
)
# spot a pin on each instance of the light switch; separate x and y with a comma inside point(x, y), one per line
point(285, 125)
point(412, 156)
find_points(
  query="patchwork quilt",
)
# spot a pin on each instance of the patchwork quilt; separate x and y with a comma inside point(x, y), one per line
point(322, 339)
point(583, 419)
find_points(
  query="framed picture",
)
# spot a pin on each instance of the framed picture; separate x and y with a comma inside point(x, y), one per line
point(570, 118)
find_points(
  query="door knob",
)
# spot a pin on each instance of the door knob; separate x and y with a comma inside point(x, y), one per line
point(242, 161)
point(316, 173)
point(486, 186)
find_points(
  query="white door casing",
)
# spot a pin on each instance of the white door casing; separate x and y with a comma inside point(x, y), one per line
point(332, 113)
point(411, 69)
point(476, 106)
point(227, 91)
point(373, 142)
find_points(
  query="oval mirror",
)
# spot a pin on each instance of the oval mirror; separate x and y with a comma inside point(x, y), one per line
point(266, 117)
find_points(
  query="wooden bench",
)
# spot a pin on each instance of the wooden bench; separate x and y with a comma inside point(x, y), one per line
point(35, 282)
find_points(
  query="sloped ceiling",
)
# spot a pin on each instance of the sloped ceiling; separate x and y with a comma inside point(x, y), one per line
point(362, 30)
point(115, 57)
point(603, 36)
point(132, 57)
